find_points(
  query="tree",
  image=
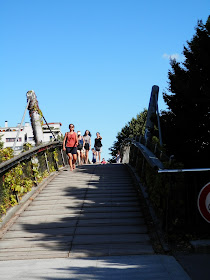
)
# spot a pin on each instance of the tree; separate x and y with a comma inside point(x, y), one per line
point(135, 127)
point(186, 124)
point(1, 142)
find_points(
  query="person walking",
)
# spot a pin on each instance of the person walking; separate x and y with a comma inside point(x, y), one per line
point(98, 146)
point(94, 156)
point(87, 146)
point(70, 143)
point(80, 148)
point(118, 158)
point(103, 161)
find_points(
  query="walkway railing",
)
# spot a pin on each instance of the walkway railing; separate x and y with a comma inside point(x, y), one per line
point(172, 189)
point(19, 174)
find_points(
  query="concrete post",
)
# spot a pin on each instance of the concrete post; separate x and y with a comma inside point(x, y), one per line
point(35, 117)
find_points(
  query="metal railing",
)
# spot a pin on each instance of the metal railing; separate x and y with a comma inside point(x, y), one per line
point(172, 189)
point(26, 170)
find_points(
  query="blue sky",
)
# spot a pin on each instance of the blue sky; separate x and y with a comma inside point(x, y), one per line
point(90, 62)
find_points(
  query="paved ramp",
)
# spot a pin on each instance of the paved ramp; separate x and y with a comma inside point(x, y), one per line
point(93, 211)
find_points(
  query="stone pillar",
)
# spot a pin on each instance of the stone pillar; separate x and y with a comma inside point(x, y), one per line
point(35, 116)
point(125, 153)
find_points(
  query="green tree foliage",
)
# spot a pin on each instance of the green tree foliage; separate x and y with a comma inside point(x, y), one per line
point(26, 147)
point(135, 127)
point(6, 154)
point(186, 125)
point(60, 137)
point(1, 143)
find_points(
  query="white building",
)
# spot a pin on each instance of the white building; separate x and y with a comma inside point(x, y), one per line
point(26, 134)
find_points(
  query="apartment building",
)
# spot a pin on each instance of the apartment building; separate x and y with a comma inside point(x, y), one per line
point(26, 134)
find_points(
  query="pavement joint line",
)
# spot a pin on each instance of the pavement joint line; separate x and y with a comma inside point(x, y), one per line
point(22, 206)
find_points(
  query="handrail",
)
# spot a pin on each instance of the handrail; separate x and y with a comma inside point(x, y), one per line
point(155, 162)
point(149, 156)
point(6, 165)
point(183, 170)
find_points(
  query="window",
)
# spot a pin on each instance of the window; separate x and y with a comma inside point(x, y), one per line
point(10, 139)
point(13, 139)
point(30, 138)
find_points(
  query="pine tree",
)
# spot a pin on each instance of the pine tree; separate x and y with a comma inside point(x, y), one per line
point(186, 124)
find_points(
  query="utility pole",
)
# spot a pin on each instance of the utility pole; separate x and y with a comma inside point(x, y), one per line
point(35, 115)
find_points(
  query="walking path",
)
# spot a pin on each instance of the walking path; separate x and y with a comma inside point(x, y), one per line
point(85, 224)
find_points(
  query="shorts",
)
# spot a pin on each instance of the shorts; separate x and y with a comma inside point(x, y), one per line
point(87, 146)
point(79, 147)
point(71, 150)
point(99, 148)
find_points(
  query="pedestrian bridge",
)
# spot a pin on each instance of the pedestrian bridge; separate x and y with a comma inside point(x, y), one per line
point(92, 223)
point(96, 210)
point(92, 211)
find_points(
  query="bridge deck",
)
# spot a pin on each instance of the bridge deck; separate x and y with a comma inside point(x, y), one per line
point(93, 211)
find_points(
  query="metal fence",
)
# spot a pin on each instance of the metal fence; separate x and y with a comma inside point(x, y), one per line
point(172, 190)
point(19, 174)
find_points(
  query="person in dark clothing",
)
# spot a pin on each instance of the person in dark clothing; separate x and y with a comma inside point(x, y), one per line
point(98, 146)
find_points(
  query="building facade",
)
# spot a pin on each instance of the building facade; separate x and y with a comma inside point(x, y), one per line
point(26, 134)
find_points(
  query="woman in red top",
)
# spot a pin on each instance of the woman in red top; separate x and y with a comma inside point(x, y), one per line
point(70, 143)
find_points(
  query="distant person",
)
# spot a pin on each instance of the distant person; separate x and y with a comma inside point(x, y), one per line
point(103, 161)
point(70, 143)
point(118, 158)
point(82, 155)
point(80, 148)
point(87, 146)
point(94, 156)
point(98, 146)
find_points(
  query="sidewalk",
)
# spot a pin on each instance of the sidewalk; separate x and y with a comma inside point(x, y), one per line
point(152, 267)
point(196, 265)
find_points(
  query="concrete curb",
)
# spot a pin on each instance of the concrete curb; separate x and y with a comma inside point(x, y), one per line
point(201, 246)
point(155, 220)
point(14, 212)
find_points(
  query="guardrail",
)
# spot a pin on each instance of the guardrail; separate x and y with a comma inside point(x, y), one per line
point(19, 174)
point(172, 189)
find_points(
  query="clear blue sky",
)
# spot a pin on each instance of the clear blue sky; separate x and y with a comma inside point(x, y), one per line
point(90, 62)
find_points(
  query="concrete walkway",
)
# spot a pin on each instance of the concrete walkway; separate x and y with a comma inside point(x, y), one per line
point(150, 267)
point(90, 225)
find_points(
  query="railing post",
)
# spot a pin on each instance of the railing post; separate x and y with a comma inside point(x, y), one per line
point(55, 161)
point(34, 161)
point(46, 160)
point(17, 198)
point(140, 138)
point(62, 157)
point(171, 159)
point(146, 142)
point(155, 149)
